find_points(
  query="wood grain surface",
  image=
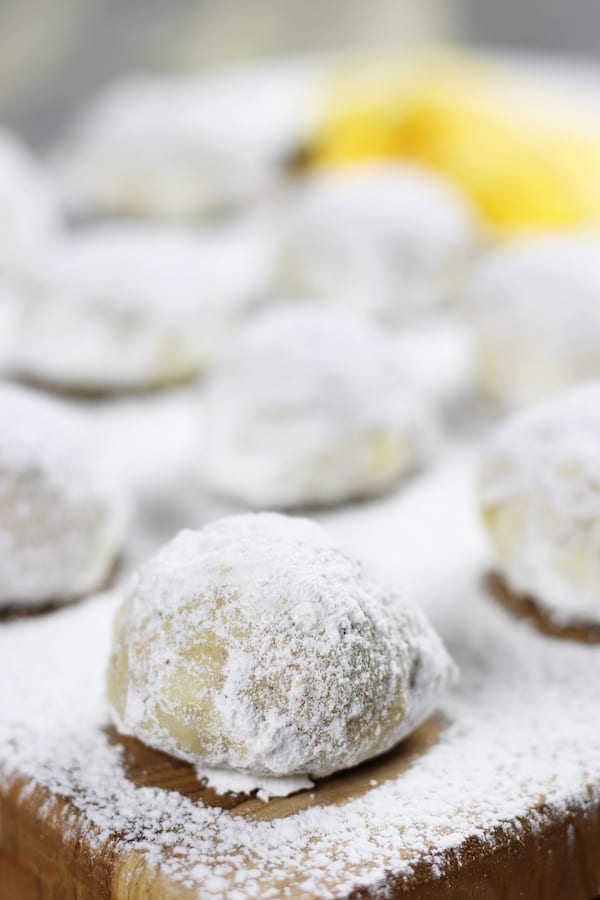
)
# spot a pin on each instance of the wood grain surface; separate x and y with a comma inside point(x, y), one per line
point(41, 860)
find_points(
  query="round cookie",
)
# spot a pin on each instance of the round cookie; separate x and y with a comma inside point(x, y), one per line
point(392, 239)
point(62, 521)
point(260, 645)
point(310, 407)
point(536, 313)
point(132, 307)
point(185, 147)
point(28, 207)
point(540, 501)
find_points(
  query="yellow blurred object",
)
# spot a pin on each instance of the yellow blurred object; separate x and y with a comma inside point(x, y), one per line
point(527, 159)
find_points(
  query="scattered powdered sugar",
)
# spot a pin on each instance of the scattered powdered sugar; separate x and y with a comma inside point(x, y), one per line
point(311, 406)
point(227, 781)
point(540, 491)
point(63, 519)
point(519, 728)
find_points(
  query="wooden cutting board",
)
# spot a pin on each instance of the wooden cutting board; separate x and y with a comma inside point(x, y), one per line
point(517, 687)
point(39, 861)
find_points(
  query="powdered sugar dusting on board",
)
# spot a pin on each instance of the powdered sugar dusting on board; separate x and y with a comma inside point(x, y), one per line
point(502, 750)
point(227, 781)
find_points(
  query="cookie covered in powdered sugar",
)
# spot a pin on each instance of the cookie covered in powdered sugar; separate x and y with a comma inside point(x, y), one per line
point(540, 501)
point(258, 644)
point(536, 313)
point(29, 212)
point(311, 407)
point(63, 521)
point(134, 307)
point(185, 147)
point(392, 239)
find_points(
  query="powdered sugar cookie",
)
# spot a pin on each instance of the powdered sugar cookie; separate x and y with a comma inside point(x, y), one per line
point(258, 644)
point(62, 521)
point(126, 307)
point(185, 147)
point(540, 499)
point(536, 310)
point(311, 407)
point(393, 239)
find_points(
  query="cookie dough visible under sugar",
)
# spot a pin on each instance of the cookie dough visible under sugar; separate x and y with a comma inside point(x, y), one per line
point(261, 645)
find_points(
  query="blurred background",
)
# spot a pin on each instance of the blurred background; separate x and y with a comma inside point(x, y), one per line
point(55, 53)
